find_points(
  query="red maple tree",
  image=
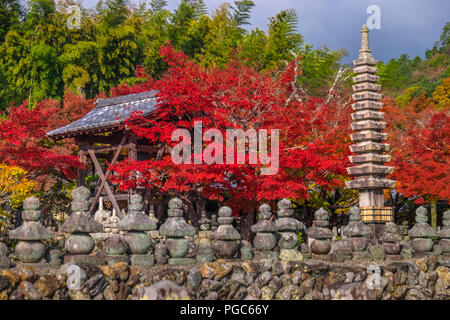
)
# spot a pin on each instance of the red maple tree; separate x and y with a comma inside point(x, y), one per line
point(313, 132)
point(23, 140)
point(420, 140)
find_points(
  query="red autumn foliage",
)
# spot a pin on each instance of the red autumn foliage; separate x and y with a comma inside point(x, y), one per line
point(23, 141)
point(420, 141)
point(313, 133)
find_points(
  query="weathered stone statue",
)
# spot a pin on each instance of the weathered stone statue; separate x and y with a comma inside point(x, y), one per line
point(214, 223)
point(5, 262)
point(320, 245)
point(154, 234)
point(204, 250)
point(136, 223)
point(108, 220)
point(30, 249)
point(444, 235)
point(102, 215)
point(265, 241)
point(80, 224)
point(391, 239)
point(245, 250)
point(356, 233)
point(421, 234)
point(176, 229)
point(161, 255)
point(225, 237)
point(115, 249)
point(405, 228)
point(288, 228)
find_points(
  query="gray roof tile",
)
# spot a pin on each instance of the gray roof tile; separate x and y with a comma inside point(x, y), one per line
point(111, 111)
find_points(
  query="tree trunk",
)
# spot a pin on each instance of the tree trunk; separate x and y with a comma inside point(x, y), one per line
point(433, 214)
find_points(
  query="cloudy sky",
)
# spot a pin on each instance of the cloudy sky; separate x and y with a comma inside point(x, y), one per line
point(407, 26)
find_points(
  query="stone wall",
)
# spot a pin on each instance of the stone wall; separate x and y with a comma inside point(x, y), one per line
point(214, 263)
point(420, 279)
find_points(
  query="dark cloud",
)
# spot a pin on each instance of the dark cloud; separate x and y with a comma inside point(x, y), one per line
point(407, 26)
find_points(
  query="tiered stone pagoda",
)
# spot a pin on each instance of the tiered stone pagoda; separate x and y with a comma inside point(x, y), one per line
point(369, 170)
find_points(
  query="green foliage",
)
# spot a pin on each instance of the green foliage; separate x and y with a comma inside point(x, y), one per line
point(40, 57)
point(300, 239)
point(404, 98)
point(118, 55)
point(241, 12)
point(282, 38)
point(319, 67)
point(405, 79)
point(10, 12)
point(113, 13)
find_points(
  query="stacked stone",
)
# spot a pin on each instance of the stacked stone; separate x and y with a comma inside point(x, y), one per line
point(161, 255)
point(245, 250)
point(30, 249)
point(5, 262)
point(369, 171)
point(214, 223)
point(204, 250)
point(113, 222)
point(116, 250)
point(154, 234)
point(102, 216)
point(80, 224)
point(421, 234)
point(390, 240)
point(225, 238)
point(288, 228)
point(356, 233)
point(320, 234)
point(175, 229)
point(265, 240)
point(444, 235)
point(136, 224)
point(405, 228)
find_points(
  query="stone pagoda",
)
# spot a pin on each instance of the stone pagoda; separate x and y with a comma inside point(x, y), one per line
point(369, 170)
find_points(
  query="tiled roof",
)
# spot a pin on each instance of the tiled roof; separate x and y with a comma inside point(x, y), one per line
point(110, 112)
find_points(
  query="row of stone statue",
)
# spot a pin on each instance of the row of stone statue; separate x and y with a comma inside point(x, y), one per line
point(277, 237)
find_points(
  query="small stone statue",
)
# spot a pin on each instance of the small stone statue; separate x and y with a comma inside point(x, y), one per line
point(161, 255)
point(154, 234)
point(289, 229)
point(391, 239)
point(136, 223)
point(115, 248)
point(421, 234)
point(225, 237)
point(245, 249)
point(204, 250)
point(444, 235)
point(30, 249)
point(5, 262)
point(265, 240)
point(214, 223)
point(321, 245)
point(80, 224)
point(113, 221)
point(102, 215)
point(356, 234)
point(175, 229)
point(405, 228)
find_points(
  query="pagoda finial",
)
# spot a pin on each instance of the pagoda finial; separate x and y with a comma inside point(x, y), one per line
point(364, 39)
